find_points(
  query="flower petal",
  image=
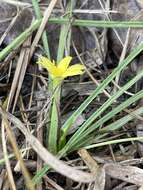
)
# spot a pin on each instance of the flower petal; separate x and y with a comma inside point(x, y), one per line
point(73, 70)
point(47, 64)
point(64, 63)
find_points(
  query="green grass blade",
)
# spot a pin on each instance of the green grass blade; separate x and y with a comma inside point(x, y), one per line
point(106, 105)
point(109, 24)
point(98, 23)
point(111, 127)
point(19, 40)
point(121, 122)
point(114, 142)
point(36, 179)
point(64, 34)
point(98, 90)
point(53, 131)
point(62, 41)
point(105, 118)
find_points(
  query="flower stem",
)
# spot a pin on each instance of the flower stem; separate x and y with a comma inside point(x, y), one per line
point(53, 130)
point(55, 112)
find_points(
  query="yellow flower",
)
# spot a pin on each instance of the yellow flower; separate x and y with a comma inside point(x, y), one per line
point(62, 69)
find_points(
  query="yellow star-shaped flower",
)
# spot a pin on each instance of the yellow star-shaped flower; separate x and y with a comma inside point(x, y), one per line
point(62, 69)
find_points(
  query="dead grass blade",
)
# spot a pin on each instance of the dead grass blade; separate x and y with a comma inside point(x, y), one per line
point(42, 26)
point(25, 62)
point(16, 3)
point(52, 183)
point(7, 163)
point(129, 174)
point(47, 157)
point(7, 30)
point(97, 171)
point(28, 181)
point(19, 73)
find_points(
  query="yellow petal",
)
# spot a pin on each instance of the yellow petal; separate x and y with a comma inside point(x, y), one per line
point(47, 64)
point(64, 63)
point(73, 70)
